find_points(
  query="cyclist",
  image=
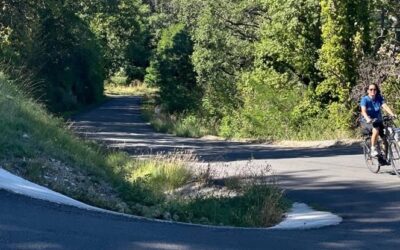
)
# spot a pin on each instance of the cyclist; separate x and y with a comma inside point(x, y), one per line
point(371, 120)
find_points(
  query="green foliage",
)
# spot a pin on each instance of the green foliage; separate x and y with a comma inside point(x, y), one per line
point(137, 89)
point(266, 106)
point(29, 131)
point(271, 112)
point(341, 22)
point(45, 39)
point(190, 126)
point(287, 64)
point(224, 35)
point(19, 21)
point(71, 46)
point(121, 29)
point(217, 59)
point(71, 65)
point(391, 90)
point(290, 39)
point(172, 70)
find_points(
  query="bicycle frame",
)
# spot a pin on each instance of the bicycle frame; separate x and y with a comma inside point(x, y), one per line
point(392, 152)
point(393, 144)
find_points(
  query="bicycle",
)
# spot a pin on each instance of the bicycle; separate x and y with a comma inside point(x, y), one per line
point(392, 137)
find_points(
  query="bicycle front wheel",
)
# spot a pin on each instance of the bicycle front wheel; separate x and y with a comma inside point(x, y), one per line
point(371, 162)
point(395, 157)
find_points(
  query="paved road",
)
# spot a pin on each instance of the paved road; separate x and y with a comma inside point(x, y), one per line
point(334, 179)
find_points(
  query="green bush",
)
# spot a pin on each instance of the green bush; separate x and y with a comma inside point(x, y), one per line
point(272, 111)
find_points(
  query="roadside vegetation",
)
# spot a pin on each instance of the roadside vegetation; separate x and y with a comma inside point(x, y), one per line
point(178, 124)
point(136, 88)
point(193, 125)
point(273, 70)
point(260, 69)
point(41, 148)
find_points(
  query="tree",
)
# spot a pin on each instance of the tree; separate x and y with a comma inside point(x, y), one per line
point(121, 28)
point(171, 69)
point(50, 42)
point(67, 58)
point(224, 37)
point(290, 39)
point(345, 28)
point(19, 20)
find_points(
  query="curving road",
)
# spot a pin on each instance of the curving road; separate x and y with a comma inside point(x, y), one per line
point(334, 179)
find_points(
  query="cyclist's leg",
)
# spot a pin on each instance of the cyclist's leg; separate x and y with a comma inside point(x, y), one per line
point(374, 137)
point(377, 131)
point(367, 130)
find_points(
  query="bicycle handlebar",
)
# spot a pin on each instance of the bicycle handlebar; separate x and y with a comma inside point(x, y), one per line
point(386, 118)
point(389, 118)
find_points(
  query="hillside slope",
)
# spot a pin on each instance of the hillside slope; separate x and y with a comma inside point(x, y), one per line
point(40, 148)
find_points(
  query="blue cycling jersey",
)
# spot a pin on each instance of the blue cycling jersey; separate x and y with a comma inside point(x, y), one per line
point(373, 106)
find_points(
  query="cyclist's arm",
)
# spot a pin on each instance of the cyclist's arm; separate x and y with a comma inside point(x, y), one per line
point(364, 114)
point(387, 109)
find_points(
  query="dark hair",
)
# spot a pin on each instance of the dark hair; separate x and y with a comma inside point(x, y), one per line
point(378, 90)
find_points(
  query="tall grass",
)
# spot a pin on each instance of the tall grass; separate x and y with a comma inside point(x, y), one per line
point(161, 173)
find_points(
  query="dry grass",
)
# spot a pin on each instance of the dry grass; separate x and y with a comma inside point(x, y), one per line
point(135, 88)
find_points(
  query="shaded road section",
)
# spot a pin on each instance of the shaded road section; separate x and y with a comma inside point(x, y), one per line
point(119, 124)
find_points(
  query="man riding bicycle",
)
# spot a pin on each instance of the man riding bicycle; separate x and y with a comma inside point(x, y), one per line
point(371, 120)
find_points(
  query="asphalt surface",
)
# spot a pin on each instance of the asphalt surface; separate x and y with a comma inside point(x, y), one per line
point(333, 179)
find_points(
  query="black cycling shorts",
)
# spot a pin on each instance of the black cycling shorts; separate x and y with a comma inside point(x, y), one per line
point(367, 127)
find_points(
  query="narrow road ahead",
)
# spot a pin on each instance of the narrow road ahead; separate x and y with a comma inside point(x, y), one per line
point(333, 179)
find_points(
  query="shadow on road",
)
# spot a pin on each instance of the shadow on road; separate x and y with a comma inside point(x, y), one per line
point(118, 124)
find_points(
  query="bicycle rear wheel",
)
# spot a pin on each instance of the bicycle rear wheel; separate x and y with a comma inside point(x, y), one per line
point(371, 162)
point(395, 157)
